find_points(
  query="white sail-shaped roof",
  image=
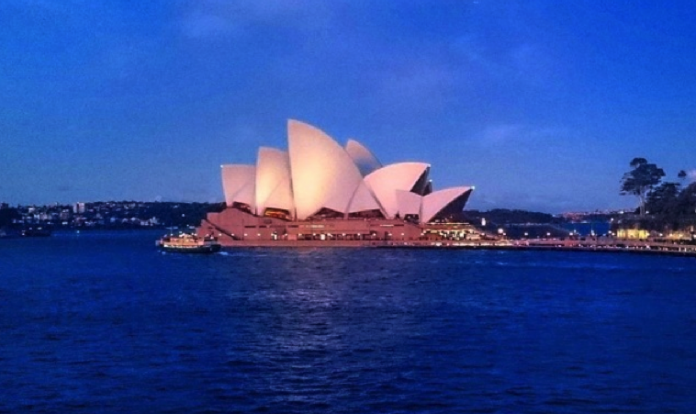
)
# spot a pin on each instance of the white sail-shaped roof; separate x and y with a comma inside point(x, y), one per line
point(363, 200)
point(437, 201)
point(408, 202)
point(273, 183)
point(317, 174)
point(323, 174)
point(238, 184)
point(401, 176)
point(362, 157)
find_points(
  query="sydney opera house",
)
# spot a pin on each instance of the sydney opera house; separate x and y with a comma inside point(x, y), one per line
point(321, 193)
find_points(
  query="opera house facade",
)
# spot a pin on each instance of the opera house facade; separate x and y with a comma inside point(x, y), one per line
point(321, 193)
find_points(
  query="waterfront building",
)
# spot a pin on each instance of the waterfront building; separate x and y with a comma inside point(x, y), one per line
point(321, 191)
point(79, 208)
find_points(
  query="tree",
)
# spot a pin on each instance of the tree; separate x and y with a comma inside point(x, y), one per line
point(8, 214)
point(641, 180)
point(663, 199)
point(687, 200)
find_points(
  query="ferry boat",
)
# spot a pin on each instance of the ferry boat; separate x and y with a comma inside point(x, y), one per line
point(188, 243)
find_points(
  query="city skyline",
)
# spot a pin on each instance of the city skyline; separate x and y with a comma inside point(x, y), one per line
point(540, 105)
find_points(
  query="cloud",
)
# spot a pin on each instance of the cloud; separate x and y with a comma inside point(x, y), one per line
point(516, 60)
point(530, 64)
point(215, 18)
point(508, 133)
point(691, 175)
point(496, 134)
point(479, 60)
point(424, 84)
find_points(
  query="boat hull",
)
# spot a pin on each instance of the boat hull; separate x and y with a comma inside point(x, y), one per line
point(207, 249)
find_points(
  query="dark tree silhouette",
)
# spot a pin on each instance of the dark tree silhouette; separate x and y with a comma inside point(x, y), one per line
point(663, 199)
point(7, 215)
point(687, 200)
point(641, 180)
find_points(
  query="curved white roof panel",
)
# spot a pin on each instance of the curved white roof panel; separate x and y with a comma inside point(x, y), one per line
point(323, 174)
point(317, 174)
point(362, 157)
point(437, 201)
point(363, 200)
point(273, 185)
point(401, 176)
point(238, 184)
point(408, 202)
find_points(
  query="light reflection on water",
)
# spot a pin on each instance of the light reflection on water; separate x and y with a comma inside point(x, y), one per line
point(110, 325)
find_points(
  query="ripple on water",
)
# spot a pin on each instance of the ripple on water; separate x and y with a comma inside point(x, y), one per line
point(123, 329)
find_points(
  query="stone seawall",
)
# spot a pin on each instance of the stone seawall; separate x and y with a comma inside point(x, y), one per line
point(600, 245)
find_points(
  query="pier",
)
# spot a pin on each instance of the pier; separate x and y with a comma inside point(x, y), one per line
point(599, 244)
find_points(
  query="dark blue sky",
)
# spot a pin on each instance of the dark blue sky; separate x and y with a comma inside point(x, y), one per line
point(540, 104)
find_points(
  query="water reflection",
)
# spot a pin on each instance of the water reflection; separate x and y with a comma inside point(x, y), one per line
point(113, 326)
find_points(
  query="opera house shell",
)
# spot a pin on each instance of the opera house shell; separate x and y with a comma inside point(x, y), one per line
point(320, 191)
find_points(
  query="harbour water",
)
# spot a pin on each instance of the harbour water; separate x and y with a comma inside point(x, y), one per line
point(104, 323)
